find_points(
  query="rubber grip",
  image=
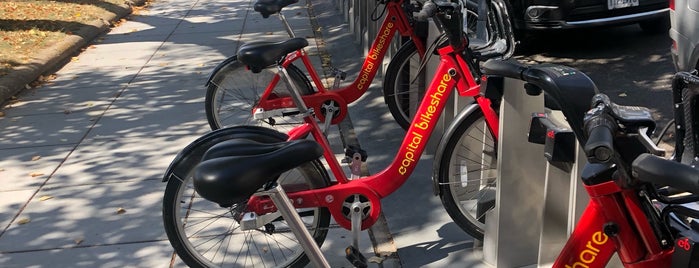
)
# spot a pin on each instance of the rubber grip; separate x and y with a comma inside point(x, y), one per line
point(600, 143)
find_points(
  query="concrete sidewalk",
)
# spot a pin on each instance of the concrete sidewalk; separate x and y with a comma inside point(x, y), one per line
point(81, 158)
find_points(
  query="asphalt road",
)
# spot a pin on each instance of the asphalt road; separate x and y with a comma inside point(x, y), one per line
point(632, 67)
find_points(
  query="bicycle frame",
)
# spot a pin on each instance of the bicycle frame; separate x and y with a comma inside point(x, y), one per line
point(395, 21)
point(632, 237)
point(452, 72)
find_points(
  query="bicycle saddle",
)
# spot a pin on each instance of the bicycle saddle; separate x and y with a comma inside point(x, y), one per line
point(233, 170)
point(567, 88)
point(269, 7)
point(259, 55)
point(660, 171)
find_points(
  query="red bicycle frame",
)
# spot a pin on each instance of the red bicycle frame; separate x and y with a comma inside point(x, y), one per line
point(452, 72)
point(395, 21)
point(613, 222)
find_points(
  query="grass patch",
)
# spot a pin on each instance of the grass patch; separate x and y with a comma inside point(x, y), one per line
point(28, 26)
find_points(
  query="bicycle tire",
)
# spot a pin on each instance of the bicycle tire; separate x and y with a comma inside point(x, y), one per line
point(403, 89)
point(183, 211)
point(234, 91)
point(461, 195)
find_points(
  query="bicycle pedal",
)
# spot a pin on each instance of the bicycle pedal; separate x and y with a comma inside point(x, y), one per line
point(342, 75)
point(339, 74)
point(355, 257)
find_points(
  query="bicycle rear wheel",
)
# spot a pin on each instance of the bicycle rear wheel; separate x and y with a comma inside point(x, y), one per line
point(204, 234)
point(467, 173)
point(234, 91)
point(403, 86)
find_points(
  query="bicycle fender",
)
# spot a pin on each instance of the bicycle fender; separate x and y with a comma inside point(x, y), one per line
point(439, 153)
point(220, 66)
point(192, 154)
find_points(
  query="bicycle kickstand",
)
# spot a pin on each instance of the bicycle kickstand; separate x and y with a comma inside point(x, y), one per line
point(284, 206)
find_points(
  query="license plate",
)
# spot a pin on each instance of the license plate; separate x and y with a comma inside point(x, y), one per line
point(614, 4)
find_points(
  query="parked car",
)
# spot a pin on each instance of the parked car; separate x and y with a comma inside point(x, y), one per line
point(533, 15)
point(684, 32)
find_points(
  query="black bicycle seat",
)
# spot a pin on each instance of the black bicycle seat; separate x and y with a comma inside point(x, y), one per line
point(233, 170)
point(269, 7)
point(567, 88)
point(661, 171)
point(259, 55)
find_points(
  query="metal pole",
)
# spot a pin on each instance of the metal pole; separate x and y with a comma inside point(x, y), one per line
point(288, 212)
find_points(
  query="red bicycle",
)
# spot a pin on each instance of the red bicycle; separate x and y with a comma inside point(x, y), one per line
point(213, 216)
point(237, 94)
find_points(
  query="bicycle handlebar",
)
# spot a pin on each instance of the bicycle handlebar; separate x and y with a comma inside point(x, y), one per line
point(429, 8)
point(600, 129)
point(662, 171)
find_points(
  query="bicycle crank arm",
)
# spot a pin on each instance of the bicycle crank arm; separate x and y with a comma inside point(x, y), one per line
point(251, 221)
point(261, 114)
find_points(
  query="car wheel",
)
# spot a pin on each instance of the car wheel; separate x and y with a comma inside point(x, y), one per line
point(656, 26)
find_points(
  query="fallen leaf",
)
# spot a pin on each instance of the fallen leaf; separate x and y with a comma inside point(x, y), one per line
point(78, 240)
point(36, 174)
point(45, 197)
point(23, 221)
point(36, 157)
point(121, 211)
point(74, 59)
point(622, 95)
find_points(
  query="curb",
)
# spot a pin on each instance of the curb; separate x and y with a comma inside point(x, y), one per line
point(52, 58)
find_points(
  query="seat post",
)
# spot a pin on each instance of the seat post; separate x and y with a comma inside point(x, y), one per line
point(284, 206)
point(287, 26)
point(293, 91)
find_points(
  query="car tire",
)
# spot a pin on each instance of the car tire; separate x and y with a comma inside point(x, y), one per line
point(656, 26)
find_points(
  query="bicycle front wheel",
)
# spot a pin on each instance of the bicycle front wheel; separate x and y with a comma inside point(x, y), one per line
point(234, 91)
point(205, 234)
point(403, 86)
point(467, 174)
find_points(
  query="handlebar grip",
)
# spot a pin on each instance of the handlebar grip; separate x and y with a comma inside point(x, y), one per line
point(427, 11)
point(600, 143)
point(506, 68)
point(662, 171)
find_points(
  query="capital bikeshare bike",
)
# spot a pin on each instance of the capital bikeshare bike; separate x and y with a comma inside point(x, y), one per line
point(239, 95)
point(214, 218)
